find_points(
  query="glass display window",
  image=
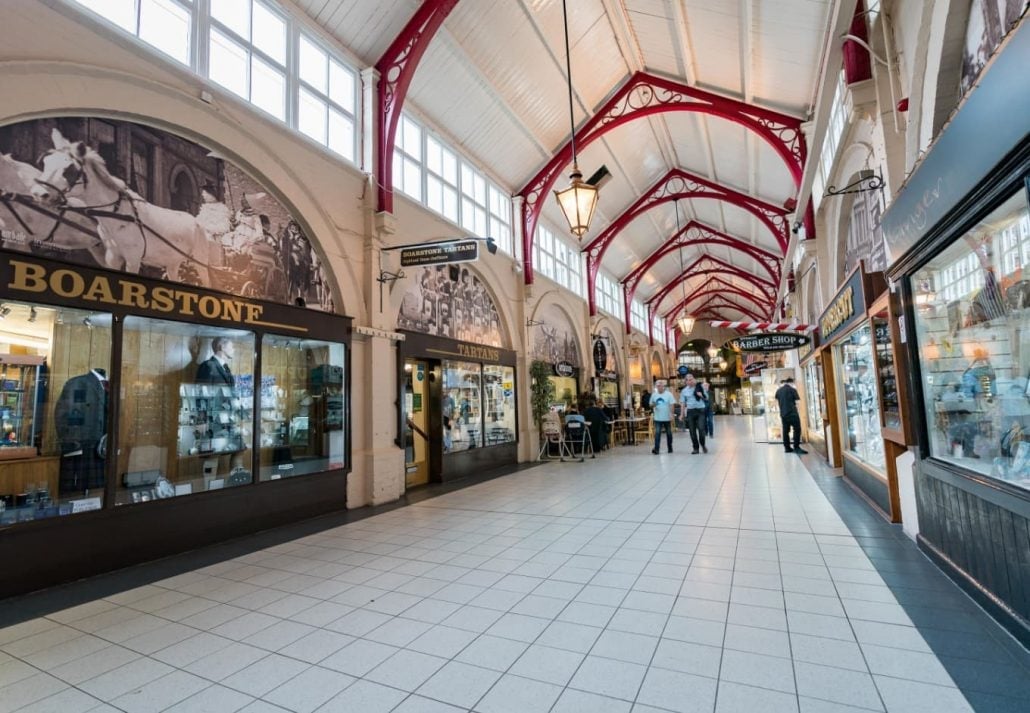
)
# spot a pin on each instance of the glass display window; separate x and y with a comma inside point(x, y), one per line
point(462, 383)
point(885, 372)
point(300, 406)
point(972, 313)
point(54, 366)
point(564, 392)
point(186, 409)
point(499, 403)
point(815, 393)
point(860, 404)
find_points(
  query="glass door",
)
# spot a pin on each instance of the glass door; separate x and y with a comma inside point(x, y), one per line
point(416, 422)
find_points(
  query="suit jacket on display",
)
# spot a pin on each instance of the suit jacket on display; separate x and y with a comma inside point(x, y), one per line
point(81, 412)
point(212, 372)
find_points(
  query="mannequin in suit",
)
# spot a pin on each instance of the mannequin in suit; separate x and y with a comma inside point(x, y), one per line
point(216, 369)
point(80, 417)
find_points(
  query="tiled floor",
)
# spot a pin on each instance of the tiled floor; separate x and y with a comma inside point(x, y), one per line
point(633, 582)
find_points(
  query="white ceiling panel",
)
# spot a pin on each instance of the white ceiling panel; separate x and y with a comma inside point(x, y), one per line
point(493, 82)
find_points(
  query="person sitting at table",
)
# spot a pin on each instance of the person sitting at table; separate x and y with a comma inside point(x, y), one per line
point(573, 414)
point(598, 425)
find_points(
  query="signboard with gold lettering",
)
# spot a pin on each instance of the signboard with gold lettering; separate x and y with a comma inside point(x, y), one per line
point(32, 279)
point(847, 307)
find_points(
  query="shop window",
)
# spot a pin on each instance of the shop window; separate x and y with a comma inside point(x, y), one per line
point(301, 407)
point(54, 365)
point(862, 436)
point(186, 409)
point(499, 402)
point(461, 382)
point(972, 309)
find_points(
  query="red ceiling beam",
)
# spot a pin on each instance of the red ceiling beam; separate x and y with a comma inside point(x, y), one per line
point(720, 301)
point(675, 185)
point(396, 68)
point(696, 233)
point(644, 95)
point(717, 287)
point(719, 267)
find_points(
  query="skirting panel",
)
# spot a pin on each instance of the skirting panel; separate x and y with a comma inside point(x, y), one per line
point(874, 488)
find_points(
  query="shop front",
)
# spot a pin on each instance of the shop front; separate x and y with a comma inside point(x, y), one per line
point(142, 418)
point(861, 375)
point(814, 388)
point(457, 408)
point(960, 231)
point(555, 343)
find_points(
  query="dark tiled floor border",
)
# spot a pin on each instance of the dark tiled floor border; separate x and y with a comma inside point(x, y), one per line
point(990, 667)
point(29, 606)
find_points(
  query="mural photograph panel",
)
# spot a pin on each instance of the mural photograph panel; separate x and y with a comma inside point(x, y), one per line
point(115, 194)
point(450, 301)
point(553, 338)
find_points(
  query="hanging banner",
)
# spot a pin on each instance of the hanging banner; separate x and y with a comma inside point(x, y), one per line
point(768, 342)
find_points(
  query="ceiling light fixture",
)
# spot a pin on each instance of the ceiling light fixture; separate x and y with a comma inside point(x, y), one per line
point(685, 322)
point(578, 201)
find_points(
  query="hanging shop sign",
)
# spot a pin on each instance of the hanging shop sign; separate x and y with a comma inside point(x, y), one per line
point(755, 367)
point(774, 342)
point(564, 368)
point(440, 254)
point(600, 356)
point(683, 370)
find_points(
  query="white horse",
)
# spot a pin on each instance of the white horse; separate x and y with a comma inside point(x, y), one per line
point(143, 233)
point(27, 225)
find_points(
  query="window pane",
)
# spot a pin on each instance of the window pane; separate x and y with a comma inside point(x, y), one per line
point(434, 158)
point(311, 116)
point(398, 172)
point(53, 403)
point(480, 225)
point(197, 382)
point(972, 350)
point(234, 14)
point(434, 194)
point(166, 25)
point(301, 407)
point(450, 167)
point(499, 402)
point(341, 134)
point(228, 64)
point(450, 204)
point(268, 89)
point(862, 411)
point(412, 138)
point(412, 179)
point(461, 382)
point(341, 85)
point(313, 69)
point(468, 214)
point(120, 12)
point(269, 33)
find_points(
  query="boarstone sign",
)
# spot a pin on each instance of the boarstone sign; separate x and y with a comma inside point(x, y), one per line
point(453, 252)
point(775, 342)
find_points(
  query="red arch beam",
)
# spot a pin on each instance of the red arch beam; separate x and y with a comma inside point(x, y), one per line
point(644, 95)
point(723, 290)
point(768, 289)
point(675, 185)
point(396, 68)
point(696, 233)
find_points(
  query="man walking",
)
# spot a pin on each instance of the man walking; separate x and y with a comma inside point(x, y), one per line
point(694, 402)
point(661, 411)
point(787, 398)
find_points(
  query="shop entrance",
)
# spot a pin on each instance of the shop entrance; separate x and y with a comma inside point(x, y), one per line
point(416, 423)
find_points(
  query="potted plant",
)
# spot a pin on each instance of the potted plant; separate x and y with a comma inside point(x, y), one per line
point(541, 390)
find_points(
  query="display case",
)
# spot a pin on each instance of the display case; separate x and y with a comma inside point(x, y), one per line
point(758, 419)
point(22, 389)
point(212, 419)
point(885, 371)
point(861, 405)
point(772, 379)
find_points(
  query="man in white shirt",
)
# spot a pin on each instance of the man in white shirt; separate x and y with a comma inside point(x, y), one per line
point(661, 410)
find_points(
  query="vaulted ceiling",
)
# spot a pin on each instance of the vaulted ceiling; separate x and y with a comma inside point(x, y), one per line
point(711, 75)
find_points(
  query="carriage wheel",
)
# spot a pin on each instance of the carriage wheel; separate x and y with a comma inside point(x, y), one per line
point(250, 289)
